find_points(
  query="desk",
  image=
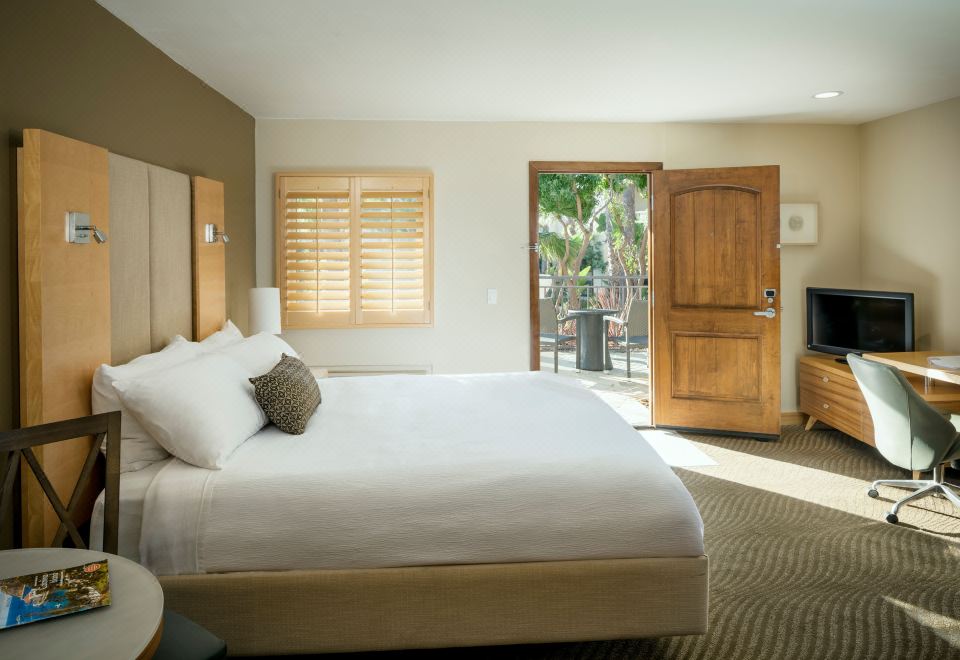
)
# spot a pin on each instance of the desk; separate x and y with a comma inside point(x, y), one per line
point(916, 363)
point(591, 336)
point(830, 394)
point(129, 627)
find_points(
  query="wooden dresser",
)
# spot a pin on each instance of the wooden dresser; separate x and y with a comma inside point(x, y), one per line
point(829, 393)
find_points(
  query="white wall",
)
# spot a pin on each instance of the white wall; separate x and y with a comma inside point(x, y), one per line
point(910, 233)
point(482, 215)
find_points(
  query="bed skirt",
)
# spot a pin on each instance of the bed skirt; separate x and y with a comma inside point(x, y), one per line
point(327, 611)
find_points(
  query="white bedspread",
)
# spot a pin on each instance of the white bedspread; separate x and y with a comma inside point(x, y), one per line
point(426, 470)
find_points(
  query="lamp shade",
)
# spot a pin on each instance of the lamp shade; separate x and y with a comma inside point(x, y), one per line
point(265, 310)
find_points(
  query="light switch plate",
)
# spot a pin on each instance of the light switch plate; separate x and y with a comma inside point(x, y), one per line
point(491, 296)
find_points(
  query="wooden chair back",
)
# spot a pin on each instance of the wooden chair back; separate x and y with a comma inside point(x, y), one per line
point(19, 443)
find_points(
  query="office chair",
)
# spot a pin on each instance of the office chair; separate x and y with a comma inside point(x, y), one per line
point(909, 432)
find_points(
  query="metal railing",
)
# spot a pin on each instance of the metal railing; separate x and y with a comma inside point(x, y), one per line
point(609, 291)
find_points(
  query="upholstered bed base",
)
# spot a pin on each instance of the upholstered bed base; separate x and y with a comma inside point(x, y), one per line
point(330, 611)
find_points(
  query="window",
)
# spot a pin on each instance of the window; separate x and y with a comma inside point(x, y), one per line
point(355, 250)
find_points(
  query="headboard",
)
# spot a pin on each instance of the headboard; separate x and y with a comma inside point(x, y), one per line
point(150, 257)
point(85, 304)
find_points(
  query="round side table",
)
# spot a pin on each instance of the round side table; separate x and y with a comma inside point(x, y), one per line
point(129, 627)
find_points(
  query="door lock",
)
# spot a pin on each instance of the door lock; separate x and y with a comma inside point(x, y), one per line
point(769, 312)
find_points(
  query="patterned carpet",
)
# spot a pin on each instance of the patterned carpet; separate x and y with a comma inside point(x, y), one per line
point(802, 565)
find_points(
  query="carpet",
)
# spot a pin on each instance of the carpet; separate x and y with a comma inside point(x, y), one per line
point(802, 565)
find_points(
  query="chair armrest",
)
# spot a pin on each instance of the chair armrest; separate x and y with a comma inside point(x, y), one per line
point(614, 319)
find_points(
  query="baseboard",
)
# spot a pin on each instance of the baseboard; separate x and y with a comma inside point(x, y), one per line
point(791, 418)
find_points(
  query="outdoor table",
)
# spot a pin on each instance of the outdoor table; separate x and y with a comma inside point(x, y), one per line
point(591, 337)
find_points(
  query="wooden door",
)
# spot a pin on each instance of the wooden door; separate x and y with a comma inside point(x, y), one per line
point(715, 344)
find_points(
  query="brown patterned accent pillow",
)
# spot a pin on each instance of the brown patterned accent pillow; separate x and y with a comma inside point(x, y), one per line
point(288, 394)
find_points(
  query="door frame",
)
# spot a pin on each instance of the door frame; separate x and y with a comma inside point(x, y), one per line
point(538, 167)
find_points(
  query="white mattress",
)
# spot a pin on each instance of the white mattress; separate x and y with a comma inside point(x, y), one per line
point(133, 492)
point(426, 470)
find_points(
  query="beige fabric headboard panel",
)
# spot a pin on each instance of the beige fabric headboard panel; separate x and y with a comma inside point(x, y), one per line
point(129, 258)
point(171, 261)
point(151, 261)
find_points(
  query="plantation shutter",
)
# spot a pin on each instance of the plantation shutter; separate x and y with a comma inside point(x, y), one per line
point(354, 250)
point(393, 255)
point(314, 260)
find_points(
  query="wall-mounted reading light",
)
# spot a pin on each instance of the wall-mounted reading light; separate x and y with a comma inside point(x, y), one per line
point(211, 234)
point(79, 229)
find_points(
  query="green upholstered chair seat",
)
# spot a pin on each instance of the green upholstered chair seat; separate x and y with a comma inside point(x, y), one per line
point(910, 433)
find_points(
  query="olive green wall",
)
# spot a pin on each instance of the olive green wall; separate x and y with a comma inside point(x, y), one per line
point(71, 67)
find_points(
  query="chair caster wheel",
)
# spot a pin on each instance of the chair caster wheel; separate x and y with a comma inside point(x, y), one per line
point(892, 518)
point(873, 493)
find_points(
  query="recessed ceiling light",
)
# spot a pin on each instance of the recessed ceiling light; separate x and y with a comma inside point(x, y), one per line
point(827, 95)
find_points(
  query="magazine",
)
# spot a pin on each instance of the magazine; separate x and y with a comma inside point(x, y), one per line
point(41, 596)
point(945, 361)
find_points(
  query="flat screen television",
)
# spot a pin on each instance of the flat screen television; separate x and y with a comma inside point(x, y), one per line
point(841, 321)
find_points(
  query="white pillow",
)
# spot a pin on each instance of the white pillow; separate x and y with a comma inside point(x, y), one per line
point(137, 448)
point(258, 354)
point(199, 411)
point(222, 338)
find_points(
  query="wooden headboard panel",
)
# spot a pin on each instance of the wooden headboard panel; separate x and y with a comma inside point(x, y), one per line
point(64, 306)
point(84, 305)
point(209, 286)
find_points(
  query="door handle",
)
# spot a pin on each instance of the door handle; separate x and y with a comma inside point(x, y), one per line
point(769, 312)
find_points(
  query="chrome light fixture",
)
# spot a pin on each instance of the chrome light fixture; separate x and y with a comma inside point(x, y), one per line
point(211, 234)
point(79, 229)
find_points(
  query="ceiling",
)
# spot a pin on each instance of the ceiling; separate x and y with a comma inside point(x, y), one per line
point(563, 60)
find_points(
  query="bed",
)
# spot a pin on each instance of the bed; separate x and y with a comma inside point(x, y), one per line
point(435, 511)
point(457, 487)
point(525, 477)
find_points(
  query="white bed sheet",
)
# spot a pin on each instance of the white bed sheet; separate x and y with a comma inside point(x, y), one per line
point(426, 470)
point(133, 492)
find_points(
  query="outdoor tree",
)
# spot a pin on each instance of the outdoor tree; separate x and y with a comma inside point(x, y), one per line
point(626, 236)
point(575, 202)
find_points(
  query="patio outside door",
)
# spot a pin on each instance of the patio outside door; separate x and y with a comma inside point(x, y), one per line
point(715, 274)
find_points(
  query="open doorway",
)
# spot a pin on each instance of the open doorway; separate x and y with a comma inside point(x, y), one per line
point(589, 267)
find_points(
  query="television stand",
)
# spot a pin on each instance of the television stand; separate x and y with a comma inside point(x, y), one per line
point(841, 360)
point(829, 393)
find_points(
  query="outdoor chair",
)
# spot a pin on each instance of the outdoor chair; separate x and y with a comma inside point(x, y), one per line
point(634, 329)
point(550, 332)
